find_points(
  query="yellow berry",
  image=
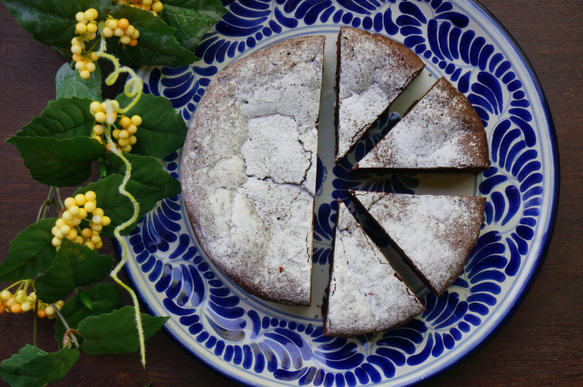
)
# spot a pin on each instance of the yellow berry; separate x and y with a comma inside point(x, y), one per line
point(123, 142)
point(132, 129)
point(69, 202)
point(41, 313)
point(90, 66)
point(157, 6)
point(136, 120)
point(56, 242)
point(80, 17)
point(82, 213)
point(5, 295)
point(94, 56)
point(90, 195)
point(96, 227)
point(72, 235)
point(65, 230)
point(100, 117)
point(98, 130)
point(50, 311)
point(81, 28)
point(125, 122)
point(67, 215)
point(124, 133)
point(74, 210)
point(90, 206)
point(107, 32)
point(95, 239)
point(25, 307)
point(80, 66)
point(95, 107)
point(136, 34)
point(111, 24)
point(79, 239)
point(118, 32)
point(76, 49)
point(115, 133)
point(105, 221)
point(16, 308)
point(90, 245)
point(87, 233)
point(130, 30)
point(85, 74)
point(123, 23)
point(133, 140)
point(80, 199)
point(91, 28)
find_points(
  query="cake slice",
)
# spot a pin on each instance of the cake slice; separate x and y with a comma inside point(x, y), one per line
point(434, 233)
point(365, 294)
point(442, 131)
point(248, 169)
point(372, 71)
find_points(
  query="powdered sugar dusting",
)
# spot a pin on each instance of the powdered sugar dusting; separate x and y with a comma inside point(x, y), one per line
point(436, 232)
point(363, 283)
point(440, 131)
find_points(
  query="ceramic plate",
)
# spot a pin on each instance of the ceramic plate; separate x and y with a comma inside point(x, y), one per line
point(260, 343)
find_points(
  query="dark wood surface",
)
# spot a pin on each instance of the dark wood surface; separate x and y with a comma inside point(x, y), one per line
point(541, 344)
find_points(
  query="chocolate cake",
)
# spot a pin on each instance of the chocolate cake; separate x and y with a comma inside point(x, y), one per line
point(442, 131)
point(249, 167)
point(365, 293)
point(434, 233)
point(372, 71)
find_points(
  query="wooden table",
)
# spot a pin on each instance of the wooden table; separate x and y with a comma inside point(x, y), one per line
point(541, 344)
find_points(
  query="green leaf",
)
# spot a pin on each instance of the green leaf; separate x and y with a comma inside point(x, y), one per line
point(59, 163)
point(62, 118)
point(56, 147)
point(162, 132)
point(52, 22)
point(75, 265)
point(157, 44)
point(70, 84)
point(192, 18)
point(105, 298)
point(149, 183)
point(30, 253)
point(116, 332)
point(33, 367)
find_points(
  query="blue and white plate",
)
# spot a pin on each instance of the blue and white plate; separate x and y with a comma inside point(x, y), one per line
point(260, 343)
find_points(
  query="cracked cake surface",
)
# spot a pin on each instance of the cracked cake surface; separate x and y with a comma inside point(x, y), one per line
point(248, 169)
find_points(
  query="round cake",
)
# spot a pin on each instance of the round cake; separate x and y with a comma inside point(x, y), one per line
point(248, 176)
point(248, 169)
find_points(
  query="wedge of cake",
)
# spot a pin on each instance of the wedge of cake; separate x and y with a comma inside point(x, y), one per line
point(372, 71)
point(249, 168)
point(434, 233)
point(365, 294)
point(442, 131)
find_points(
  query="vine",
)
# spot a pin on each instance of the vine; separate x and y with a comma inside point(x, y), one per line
point(53, 267)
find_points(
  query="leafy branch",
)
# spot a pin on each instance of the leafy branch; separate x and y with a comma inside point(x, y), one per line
point(54, 266)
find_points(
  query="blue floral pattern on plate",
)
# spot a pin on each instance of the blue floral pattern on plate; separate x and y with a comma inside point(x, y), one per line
point(256, 342)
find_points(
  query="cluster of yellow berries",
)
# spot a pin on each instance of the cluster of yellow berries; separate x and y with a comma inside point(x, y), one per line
point(106, 113)
point(21, 302)
point(80, 211)
point(127, 33)
point(86, 29)
point(153, 6)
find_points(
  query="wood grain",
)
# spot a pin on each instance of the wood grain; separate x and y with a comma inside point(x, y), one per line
point(541, 344)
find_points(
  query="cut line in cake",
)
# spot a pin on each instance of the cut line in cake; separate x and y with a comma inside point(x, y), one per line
point(249, 163)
